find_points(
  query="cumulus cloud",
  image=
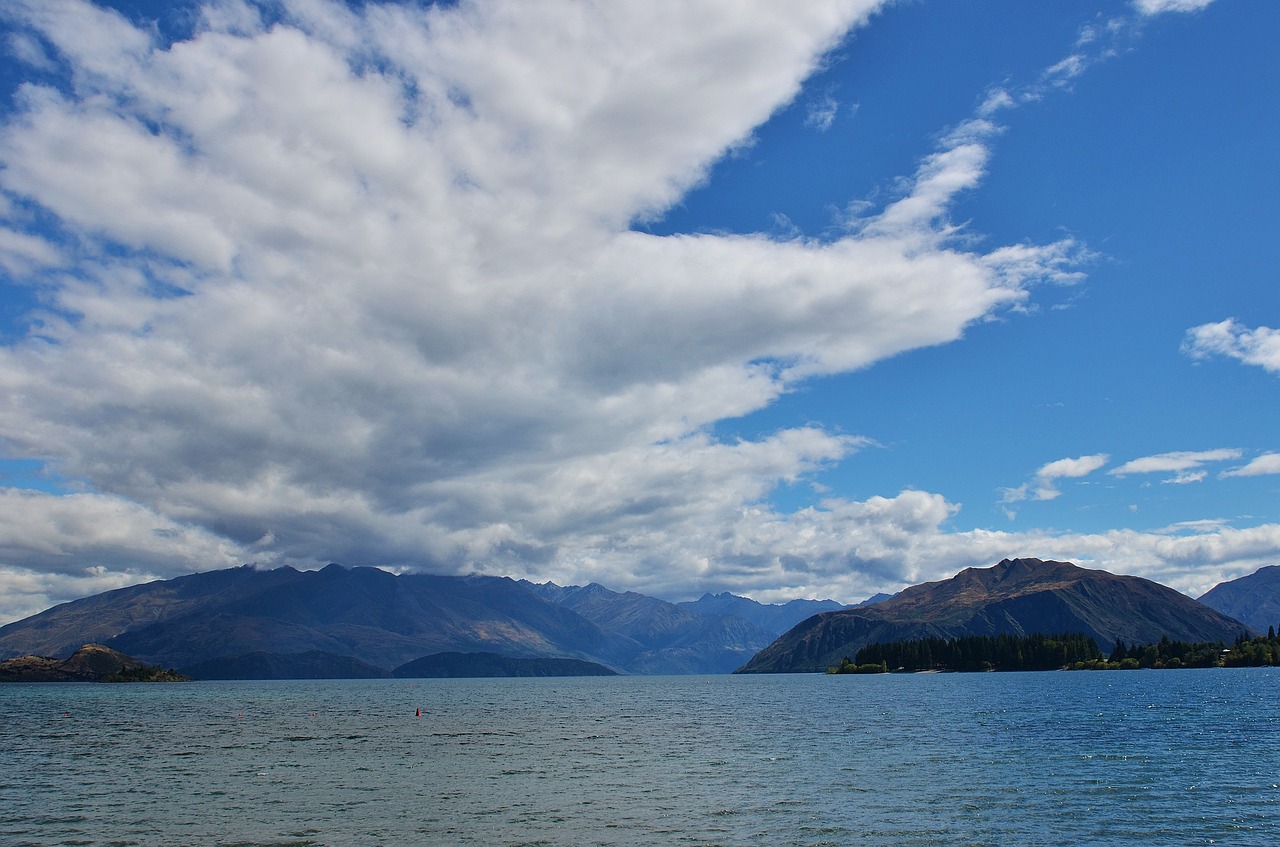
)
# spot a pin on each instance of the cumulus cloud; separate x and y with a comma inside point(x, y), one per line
point(1184, 463)
point(363, 286)
point(1229, 338)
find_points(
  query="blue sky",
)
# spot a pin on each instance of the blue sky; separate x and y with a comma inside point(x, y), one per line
point(1161, 168)
point(673, 297)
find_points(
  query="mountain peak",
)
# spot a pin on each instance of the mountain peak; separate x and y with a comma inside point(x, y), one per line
point(1254, 599)
point(1014, 596)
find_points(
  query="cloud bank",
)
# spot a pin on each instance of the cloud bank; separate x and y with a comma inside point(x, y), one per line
point(325, 285)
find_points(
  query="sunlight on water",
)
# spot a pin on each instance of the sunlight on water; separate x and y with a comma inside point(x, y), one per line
point(1149, 757)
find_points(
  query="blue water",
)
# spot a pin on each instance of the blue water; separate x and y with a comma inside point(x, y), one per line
point(1119, 758)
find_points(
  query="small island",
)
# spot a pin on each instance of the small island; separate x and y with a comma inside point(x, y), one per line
point(91, 663)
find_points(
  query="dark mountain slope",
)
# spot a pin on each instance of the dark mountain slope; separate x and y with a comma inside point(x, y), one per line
point(776, 618)
point(668, 638)
point(362, 613)
point(61, 630)
point(380, 619)
point(1018, 596)
point(1254, 599)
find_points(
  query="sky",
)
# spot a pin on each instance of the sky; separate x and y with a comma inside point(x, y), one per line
point(805, 301)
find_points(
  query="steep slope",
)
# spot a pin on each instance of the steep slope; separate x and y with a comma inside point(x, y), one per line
point(776, 618)
point(61, 630)
point(668, 638)
point(1018, 596)
point(362, 613)
point(1253, 599)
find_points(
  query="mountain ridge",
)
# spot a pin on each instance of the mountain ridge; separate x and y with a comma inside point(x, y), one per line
point(260, 620)
point(1016, 596)
point(674, 638)
point(1253, 599)
point(778, 617)
point(363, 621)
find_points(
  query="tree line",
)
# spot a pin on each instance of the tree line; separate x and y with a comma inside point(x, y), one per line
point(1244, 652)
point(1006, 652)
point(1070, 651)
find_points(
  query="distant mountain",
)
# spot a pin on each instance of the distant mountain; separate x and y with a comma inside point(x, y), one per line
point(90, 663)
point(313, 664)
point(59, 631)
point(453, 665)
point(668, 638)
point(1019, 596)
point(341, 622)
point(772, 617)
point(1253, 599)
point(366, 614)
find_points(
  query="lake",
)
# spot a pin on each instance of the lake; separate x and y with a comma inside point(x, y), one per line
point(1096, 758)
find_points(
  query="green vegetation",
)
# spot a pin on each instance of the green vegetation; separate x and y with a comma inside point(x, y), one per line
point(145, 674)
point(1070, 651)
point(1035, 652)
point(847, 666)
point(1244, 652)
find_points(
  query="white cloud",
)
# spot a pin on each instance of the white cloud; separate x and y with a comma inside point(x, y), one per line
point(1178, 462)
point(1156, 7)
point(362, 287)
point(1067, 69)
point(21, 253)
point(1042, 485)
point(1073, 468)
point(29, 51)
point(996, 100)
point(821, 112)
point(1259, 346)
point(904, 540)
point(58, 547)
point(1267, 463)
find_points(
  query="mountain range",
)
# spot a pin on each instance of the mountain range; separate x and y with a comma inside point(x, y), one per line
point(1253, 599)
point(1015, 596)
point(364, 622)
point(359, 621)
